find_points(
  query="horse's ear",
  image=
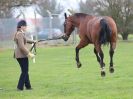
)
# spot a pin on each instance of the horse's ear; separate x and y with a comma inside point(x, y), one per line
point(65, 15)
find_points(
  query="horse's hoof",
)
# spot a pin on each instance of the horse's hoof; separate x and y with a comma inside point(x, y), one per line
point(111, 69)
point(79, 65)
point(103, 73)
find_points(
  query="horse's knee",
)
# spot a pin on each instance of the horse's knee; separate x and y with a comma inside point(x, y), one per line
point(98, 59)
point(101, 55)
point(111, 52)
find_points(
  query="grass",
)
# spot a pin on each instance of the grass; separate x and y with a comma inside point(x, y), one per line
point(55, 76)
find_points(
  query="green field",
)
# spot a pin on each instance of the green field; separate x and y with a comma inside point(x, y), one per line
point(55, 76)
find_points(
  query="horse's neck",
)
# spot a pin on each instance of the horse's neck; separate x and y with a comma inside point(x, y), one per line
point(77, 21)
point(85, 20)
point(80, 20)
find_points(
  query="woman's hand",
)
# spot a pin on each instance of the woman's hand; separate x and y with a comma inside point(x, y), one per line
point(31, 55)
point(35, 41)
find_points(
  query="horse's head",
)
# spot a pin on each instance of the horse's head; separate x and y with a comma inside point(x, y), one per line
point(68, 27)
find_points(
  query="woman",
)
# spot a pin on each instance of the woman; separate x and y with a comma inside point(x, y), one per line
point(21, 53)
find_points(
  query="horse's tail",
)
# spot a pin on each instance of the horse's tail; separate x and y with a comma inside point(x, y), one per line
point(105, 32)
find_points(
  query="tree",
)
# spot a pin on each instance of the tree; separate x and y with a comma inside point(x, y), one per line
point(48, 5)
point(122, 13)
point(6, 6)
point(87, 7)
point(120, 10)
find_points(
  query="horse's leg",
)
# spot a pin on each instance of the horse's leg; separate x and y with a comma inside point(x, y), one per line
point(102, 64)
point(111, 52)
point(77, 57)
point(98, 58)
point(82, 44)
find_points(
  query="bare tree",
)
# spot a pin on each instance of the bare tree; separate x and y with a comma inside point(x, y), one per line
point(122, 13)
point(87, 7)
point(48, 5)
point(7, 5)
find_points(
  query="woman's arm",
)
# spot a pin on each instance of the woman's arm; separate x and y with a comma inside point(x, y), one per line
point(30, 41)
point(20, 43)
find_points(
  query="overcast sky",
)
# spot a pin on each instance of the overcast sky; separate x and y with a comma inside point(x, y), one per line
point(67, 4)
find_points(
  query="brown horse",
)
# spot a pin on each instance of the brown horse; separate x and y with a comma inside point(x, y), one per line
point(95, 30)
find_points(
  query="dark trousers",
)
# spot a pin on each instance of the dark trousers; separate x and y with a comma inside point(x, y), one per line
point(24, 77)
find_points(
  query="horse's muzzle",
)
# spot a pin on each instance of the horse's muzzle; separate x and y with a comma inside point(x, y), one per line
point(65, 37)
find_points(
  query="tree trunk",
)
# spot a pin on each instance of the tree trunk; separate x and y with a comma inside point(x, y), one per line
point(125, 36)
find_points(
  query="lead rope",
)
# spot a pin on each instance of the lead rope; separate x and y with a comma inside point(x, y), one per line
point(33, 50)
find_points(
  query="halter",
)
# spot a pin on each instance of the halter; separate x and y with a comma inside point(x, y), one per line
point(67, 34)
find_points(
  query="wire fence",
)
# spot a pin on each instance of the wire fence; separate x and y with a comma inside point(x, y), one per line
point(37, 28)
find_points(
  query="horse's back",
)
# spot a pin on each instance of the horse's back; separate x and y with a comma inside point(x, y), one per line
point(93, 28)
point(83, 27)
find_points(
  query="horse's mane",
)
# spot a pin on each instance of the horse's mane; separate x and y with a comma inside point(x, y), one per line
point(80, 15)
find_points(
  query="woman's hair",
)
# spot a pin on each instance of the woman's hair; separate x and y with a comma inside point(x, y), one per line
point(21, 23)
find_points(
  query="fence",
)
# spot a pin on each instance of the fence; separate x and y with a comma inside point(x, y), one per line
point(38, 28)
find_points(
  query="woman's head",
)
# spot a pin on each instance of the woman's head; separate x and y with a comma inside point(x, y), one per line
point(22, 25)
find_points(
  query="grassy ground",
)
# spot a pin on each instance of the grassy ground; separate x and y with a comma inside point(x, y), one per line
point(55, 76)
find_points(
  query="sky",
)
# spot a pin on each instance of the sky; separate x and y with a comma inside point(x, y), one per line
point(67, 4)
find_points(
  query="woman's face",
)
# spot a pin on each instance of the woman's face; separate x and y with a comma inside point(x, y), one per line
point(23, 28)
